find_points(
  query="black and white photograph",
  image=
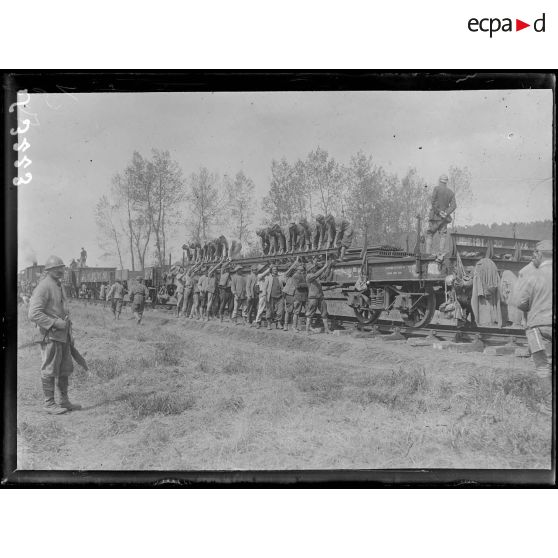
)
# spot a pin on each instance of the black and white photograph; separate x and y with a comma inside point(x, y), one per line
point(345, 276)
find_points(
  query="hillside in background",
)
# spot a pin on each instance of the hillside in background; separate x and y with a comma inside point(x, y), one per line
point(538, 230)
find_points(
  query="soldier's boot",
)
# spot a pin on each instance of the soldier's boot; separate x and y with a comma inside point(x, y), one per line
point(295, 324)
point(428, 244)
point(326, 327)
point(62, 384)
point(268, 324)
point(307, 326)
point(221, 318)
point(258, 325)
point(286, 324)
point(50, 406)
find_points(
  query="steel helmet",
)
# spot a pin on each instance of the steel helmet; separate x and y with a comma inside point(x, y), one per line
point(53, 262)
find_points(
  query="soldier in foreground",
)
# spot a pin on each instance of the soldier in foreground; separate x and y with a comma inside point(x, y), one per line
point(116, 295)
point(49, 311)
point(138, 295)
point(443, 205)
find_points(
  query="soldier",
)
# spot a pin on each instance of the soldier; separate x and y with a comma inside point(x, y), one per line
point(300, 294)
point(289, 289)
point(222, 248)
point(82, 257)
point(103, 294)
point(179, 281)
point(235, 250)
point(264, 239)
point(316, 300)
point(225, 294)
point(238, 290)
point(138, 295)
point(443, 205)
point(303, 235)
point(343, 236)
point(116, 295)
point(277, 237)
point(211, 291)
point(251, 297)
point(262, 296)
point(195, 311)
point(535, 298)
point(188, 290)
point(330, 229)
point(49, 311)
point(202, 288)
point(318, 232)
point(273, 290)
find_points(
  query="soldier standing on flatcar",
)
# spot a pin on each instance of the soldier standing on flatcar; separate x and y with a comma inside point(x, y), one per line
point(303, 234)
point(138, 295)
point(116, 295)
point(264, 239)
point(443, 205)
point(49, 311)
point(344, 233)
point(318, 232)
point(82, 257)
point(278, 239)
point(330, 230)
point(289, 232)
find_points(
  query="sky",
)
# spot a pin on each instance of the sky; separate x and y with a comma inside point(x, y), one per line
point(78, 142)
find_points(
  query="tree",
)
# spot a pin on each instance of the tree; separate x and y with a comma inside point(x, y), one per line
point(414, 201)
point(240, 201)
point(165, 184)
point(106, 220)
point(460, 183)
point(324, 181)
point(205, 203)
point(287, 197)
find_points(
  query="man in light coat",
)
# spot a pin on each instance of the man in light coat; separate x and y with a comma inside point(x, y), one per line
point(49, 311)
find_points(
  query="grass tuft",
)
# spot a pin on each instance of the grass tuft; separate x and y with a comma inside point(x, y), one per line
point(149, 404)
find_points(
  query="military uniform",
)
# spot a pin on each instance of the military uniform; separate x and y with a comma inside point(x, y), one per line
point(211, 288)
point(316, 300)
point(330, 231)
point(251, 297)
point(443, 205)
point(225, 294)
point(535, 298)
point(238, 290)
point(274, 297)
point(138, 295)
point(116, 295)
point(49, 311)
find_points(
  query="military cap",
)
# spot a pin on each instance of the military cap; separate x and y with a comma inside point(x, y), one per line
point(54, 262)
point(301, 266)
point(139, 279)
point(444, 178)
point(238, 268)
point(544, 246)
point(254, 267)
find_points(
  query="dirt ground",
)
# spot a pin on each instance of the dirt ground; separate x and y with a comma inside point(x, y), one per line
point(182, 394)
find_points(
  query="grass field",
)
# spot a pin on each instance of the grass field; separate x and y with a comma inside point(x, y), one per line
point(181, 394)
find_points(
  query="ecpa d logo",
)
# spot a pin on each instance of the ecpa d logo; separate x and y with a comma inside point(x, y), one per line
point(492, 25)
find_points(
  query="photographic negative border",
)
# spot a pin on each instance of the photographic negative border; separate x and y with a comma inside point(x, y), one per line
point(145, 81)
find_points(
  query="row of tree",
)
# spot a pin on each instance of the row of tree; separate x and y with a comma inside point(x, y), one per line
point(150, 200)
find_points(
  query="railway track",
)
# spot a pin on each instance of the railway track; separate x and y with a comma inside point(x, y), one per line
point(386, 328)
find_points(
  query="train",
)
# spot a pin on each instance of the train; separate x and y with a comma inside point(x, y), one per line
point(371, 283)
